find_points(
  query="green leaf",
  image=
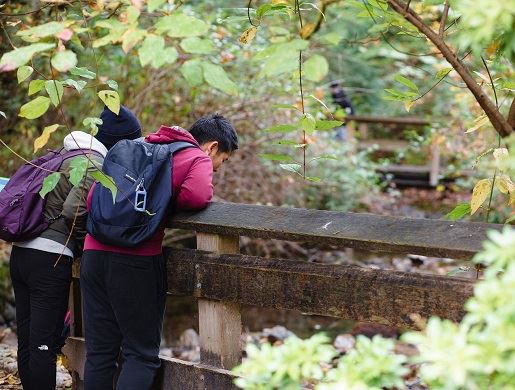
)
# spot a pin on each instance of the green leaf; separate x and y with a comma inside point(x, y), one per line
point(92, 123)
point(132, 14)
point(78, 167)
point(116, 30)
point(275, 157)
point(112, 84)
point(77, 84)
point(35, 108)
point(307, 123)
point(168, 56)
point(286, 128)
point(42, 140)
point(42, 30)
point(64, 60)
point(332, 38)
point(443, 72)
point(49, 183)
point(153, 52)
point(291, 167)
point(111, 99)
point(327, 125)
point(288, 142)
point(262, 10)
point(325, 157)
point(278, 64)
point(55, 90)
point(154, 4)
point(106, 181)
point(18, 57)
point(36, 86)
point(197, 45)
point(315, 68)
point(181, 26)
point(216, 77)
point(192, 72)
point(510, 219)
point(83, 72)
point(23, 73)
point(408, 83)
point(150, 49)
point(313, 179)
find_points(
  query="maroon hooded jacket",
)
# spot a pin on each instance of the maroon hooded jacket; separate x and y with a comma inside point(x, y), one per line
point(192, 178)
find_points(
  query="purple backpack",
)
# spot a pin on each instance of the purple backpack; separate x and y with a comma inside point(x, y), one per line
point(21, 207)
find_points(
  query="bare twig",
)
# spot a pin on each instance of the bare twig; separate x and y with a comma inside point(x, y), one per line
point(7, 35)
point(7, 15)
point(23, 158)
point(301, 95)
point(248, 14)
point(444, 19)
point(388, 41)
point(491, 81)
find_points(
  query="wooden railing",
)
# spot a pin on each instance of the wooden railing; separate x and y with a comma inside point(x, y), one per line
point(222, 280)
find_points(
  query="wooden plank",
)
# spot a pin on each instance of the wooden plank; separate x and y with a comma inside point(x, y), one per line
point(405, 169)
point(174, 374)
point(75, 352)
point(347, 230)
point(384, 145)
point(349, 292)
point(219, 322)
point(407, 121)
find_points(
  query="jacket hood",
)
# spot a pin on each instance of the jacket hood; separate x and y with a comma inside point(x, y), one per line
point(81, 140)
point(166, 134)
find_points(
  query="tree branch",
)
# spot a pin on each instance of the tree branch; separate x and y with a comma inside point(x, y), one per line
point(500, 124)
point(321, 17)
point(444, 19)
point(511, 114)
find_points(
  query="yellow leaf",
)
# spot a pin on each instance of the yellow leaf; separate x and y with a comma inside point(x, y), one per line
point(408, 104)
point(111, 99)
point(501, 155)
point(43, 138)
point(502, 184)
point(248, 35)
point(479, 194)
point(478, 122)
point(307, 30)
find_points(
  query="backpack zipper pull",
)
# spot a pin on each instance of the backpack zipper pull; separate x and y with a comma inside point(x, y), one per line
point(140, 198)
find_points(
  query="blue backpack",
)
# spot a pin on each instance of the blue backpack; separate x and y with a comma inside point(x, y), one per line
point(142, 173)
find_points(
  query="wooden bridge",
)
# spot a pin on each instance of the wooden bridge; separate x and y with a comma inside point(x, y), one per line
point(222, 280)
point(391, 140)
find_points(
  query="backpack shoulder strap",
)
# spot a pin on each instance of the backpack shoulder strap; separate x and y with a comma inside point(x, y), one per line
point(177, 146)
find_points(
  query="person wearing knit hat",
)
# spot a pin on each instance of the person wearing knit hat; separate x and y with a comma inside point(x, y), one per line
point(114, 127)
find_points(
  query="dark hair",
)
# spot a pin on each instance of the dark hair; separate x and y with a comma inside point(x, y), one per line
point(215, 127)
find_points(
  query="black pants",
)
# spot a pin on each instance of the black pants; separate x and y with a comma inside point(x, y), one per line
point(41, 292)
point(124, 300)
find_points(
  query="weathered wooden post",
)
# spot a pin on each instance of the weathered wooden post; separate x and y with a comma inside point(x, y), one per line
point(219, 322)
point(434, 170)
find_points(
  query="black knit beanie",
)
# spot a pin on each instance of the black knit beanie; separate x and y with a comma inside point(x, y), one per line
point(114, 127)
